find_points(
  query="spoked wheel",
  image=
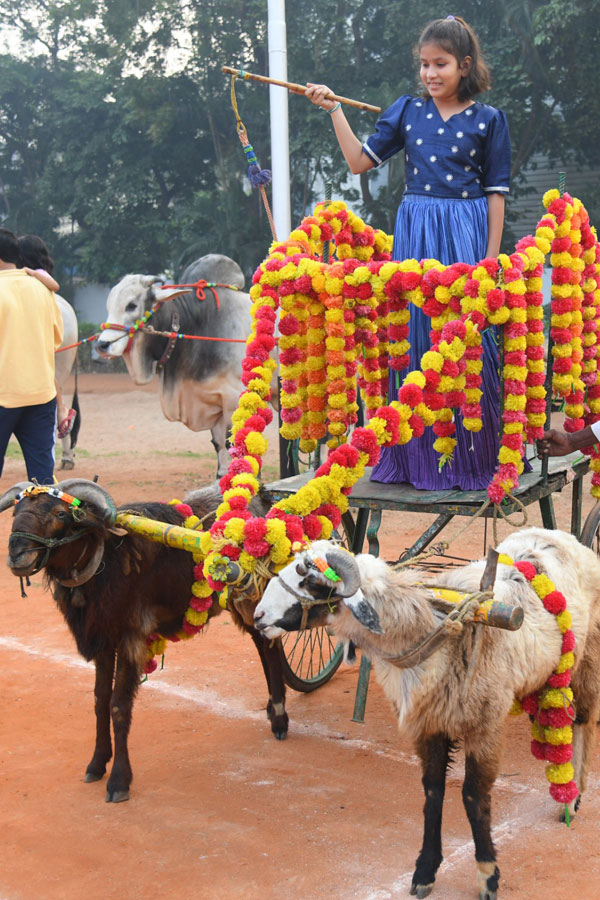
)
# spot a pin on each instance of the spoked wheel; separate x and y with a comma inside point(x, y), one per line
point(309, 658)
point(590, 533)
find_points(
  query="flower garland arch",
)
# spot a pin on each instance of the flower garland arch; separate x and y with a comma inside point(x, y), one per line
point(345, 324)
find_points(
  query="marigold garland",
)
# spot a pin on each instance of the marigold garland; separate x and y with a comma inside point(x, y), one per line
point(351, 317)
point(552, 707)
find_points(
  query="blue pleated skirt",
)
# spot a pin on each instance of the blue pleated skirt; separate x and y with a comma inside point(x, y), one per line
point(450, 231)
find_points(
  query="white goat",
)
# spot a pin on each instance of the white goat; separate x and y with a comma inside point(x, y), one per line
point(387, 612)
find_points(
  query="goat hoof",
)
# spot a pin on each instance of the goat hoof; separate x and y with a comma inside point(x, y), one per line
point(280, 734)
point(117, 796)
point(421, 890)
point(92, 776)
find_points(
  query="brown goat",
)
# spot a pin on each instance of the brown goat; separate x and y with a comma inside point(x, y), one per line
point(114, 589)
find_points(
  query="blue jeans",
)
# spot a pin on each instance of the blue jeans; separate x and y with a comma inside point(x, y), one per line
point(33, 427)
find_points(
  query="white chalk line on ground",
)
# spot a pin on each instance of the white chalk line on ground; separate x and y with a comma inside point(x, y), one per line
point(231, 708)
point(211, 701)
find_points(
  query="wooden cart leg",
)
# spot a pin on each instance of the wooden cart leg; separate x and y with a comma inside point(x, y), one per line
point(547, 510)
point(360, 529)
point(576, 499)
point(360, 701)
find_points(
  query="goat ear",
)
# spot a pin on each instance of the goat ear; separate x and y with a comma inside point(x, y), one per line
point(363, 612)
point(121, 532)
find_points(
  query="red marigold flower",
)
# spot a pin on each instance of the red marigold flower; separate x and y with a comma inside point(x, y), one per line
point(312, 527)
point(201, 604)
point(417, 425)
point(411, 394)
point(530, 704)
point(560, 680)
point(364, 440)
point(527, 569)
point(556, 717)
point(289, 324)
point(568, 641)
point(538, 749)
point(564, 793)
point(257, 549)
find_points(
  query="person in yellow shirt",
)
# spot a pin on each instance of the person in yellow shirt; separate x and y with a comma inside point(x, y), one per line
point(31, 330)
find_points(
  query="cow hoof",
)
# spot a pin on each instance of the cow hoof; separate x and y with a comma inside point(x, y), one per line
point(67, 464)
point(92, 776)
point(117, 796)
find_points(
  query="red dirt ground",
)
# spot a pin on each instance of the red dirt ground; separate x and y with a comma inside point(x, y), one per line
point(219, 810)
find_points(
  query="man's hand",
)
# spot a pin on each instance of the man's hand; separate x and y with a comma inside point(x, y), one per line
point(554, 443)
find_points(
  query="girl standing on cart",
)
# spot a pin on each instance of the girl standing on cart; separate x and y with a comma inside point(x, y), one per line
point(457, 174)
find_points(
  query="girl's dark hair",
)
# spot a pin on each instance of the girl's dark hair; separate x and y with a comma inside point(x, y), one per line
point(455, 36)
point(34, 253)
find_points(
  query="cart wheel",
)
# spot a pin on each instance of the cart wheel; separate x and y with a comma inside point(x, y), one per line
point(309, 659)
point(590, 533)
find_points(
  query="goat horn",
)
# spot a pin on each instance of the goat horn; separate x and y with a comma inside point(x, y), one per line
point(92, 493)
point(345, 565)
point(8, 497)
point(90, 570)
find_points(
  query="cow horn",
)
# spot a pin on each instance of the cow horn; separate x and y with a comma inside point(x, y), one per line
point(344, 564)
point(8, 497)
point(92, 493)
point(89, 571)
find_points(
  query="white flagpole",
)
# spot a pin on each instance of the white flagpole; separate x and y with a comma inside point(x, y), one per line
point(278, 96)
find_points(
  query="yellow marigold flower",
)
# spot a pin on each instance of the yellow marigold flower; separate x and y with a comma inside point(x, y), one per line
point(206, 542)
point(542, 585)
point(196, 618)
point(405, 433)
point(516, 708)
point(446, 384)
point(423, 411)
point(444, 445)
point(256, 444)
point(560, 774)
point(201, 588)
point(472, 424)
point(499, 317)
point(566, 662)
point(515, 402)
point(415, 378)
point(432, 360)
point(564, 622)
point(505, 559)
point(378, 426)
point(506, 455)
point(234, 530)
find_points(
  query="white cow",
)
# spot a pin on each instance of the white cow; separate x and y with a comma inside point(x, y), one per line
point(200, 381)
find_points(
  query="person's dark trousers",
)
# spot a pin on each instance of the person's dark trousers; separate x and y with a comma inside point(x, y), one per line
point(33, 427)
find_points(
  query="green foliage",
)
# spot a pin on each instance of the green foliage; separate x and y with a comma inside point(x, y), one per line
point(118, 142)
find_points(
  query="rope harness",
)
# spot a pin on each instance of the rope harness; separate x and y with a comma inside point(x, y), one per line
point(173, 335)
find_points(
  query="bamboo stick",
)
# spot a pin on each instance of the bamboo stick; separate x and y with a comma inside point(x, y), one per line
point(298, 88)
